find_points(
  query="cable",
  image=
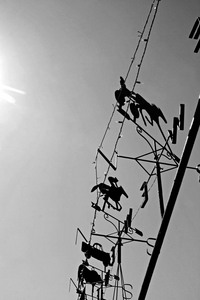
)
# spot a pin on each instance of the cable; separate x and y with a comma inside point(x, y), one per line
point(113, 112)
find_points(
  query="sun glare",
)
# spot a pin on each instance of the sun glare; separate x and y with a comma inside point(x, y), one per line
point(4, 96)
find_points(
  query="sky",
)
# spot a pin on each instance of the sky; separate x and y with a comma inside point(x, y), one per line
point(67, 57)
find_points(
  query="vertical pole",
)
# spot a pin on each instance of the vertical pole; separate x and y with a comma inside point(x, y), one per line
point(160, 190)
point(172, 200)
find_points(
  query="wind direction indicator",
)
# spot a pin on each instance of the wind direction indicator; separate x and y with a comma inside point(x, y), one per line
point(172, 200)
point(195, 34)
point(114, 192)
point(95, 281)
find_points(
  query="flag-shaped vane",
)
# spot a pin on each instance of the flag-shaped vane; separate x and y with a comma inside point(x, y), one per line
point(195, 34)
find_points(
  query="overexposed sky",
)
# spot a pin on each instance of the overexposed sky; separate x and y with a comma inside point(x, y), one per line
point(68, 56)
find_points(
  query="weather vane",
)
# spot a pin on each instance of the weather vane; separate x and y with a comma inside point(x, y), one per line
point(195, 34)
point(100, 275)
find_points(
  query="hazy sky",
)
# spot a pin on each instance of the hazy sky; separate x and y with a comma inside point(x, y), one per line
point(68, 55)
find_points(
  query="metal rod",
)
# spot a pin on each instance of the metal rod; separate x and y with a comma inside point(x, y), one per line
point(116, 237)
point(160, 190)
point(153, 162)
point(149, 161)
point(172, 200)
point(106, 159)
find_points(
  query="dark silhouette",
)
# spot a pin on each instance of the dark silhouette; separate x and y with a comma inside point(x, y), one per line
point(85, 275)
point(122, 93)
point(83, 295)
point(113, 192)
point(134, 108)
point(195, 34)
point(96, 251)
point(153, 111)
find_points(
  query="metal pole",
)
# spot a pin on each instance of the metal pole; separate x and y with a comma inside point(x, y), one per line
point(160, 190)
point(172, 200)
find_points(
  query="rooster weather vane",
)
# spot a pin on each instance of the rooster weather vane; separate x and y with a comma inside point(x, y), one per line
point(100, 275)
